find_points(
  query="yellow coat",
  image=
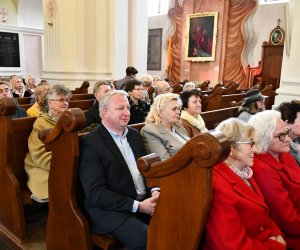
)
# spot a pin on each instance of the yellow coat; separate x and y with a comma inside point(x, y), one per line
point(37, 160)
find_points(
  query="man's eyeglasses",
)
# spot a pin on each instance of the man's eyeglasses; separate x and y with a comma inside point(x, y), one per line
point(281, 136)
point(61, 100)
point(6, 90)
point(251, 143)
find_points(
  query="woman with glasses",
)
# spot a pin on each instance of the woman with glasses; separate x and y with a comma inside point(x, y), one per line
point(191, 112)
point(277, 173)
point(163, 134)
point(138, 108)
point(37, 161)
point(290, 113)
point(239, 217)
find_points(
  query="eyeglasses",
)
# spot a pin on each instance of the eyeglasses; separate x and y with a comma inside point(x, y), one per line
point(60, 100)
point(281, 136)
point(251, 143)
point(6, 90)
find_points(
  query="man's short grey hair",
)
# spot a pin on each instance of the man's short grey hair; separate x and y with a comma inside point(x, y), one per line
point(100, 83)
point(264, 123)
point(105, 99)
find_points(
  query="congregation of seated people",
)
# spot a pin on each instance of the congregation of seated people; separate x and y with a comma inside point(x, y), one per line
point(262, 167)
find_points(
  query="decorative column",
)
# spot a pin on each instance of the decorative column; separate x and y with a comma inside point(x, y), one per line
point(89, 40)
point(290, 73)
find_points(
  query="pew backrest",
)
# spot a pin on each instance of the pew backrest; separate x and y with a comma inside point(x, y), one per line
point(185, 181)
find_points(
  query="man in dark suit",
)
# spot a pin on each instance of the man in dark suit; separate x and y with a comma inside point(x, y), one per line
point(114, 190)
point(92, 115)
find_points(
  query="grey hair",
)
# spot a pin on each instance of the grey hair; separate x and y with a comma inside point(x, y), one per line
point(105, 99)
point(235, 130)
point(56, 89)
point(159, 104)
point(100, 83)
point(265, 123)
point(189, 86)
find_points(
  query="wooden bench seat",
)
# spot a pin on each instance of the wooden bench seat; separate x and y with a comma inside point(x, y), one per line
point(14, 193)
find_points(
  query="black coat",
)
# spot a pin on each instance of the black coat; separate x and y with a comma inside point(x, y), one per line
point(109, 190)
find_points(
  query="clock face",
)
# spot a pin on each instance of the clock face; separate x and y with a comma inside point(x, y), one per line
point(51, 9)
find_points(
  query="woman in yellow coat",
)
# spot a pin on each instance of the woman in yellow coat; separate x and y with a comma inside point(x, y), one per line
point(37, 160)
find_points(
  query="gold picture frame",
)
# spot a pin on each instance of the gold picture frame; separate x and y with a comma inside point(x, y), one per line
point(201, 36)
point(277, 36)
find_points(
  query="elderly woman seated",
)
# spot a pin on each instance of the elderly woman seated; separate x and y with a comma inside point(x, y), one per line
point(37, 160)
point(277, 173)
point(190, 114)
point(163, 134)
point(290, 114)
point(239, 217)
point(253, 103)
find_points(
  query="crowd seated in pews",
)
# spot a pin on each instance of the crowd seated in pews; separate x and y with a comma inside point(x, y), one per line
point(191, 112)
point(37, 161)
point(163, 134)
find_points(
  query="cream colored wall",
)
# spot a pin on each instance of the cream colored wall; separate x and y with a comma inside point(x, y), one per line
point(258, 27)
point(12, 9)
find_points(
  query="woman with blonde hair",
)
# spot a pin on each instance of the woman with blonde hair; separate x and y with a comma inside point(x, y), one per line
point(17, 86)
point(30, 85)
point(163, 134)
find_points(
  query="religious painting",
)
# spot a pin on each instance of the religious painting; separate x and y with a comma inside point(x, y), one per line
point(277, 36)
point(154, 49)
point(201, 36)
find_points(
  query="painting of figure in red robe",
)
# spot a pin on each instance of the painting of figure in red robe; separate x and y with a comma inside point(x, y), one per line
point(201, 38)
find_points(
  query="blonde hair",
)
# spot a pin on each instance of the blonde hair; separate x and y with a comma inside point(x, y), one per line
point(235, 130)
point(159, 104)
point(14, 79)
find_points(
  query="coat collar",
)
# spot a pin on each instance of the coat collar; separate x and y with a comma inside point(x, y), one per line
point(112, 146)
point(178, 128)
point(240, 186)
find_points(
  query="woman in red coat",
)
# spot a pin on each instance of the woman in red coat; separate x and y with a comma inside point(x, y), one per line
point(239, 218)
point(277, 173)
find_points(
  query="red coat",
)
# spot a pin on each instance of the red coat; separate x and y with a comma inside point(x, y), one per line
point(239, 218)
point(280, 184)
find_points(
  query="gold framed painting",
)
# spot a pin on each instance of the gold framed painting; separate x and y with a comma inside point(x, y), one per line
point(201, 36)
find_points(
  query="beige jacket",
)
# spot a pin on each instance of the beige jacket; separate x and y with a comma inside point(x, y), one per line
point(37, 160)
point(158, 139)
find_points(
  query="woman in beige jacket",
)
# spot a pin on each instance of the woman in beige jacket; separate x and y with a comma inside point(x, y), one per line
point(37, 160)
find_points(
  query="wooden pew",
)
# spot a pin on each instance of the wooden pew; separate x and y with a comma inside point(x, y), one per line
point(214, 117)
point(67, 227)
point(185, 181)
point(82, 89)
point(192, 171)
point(82, 97)
point(13, 182)
point(213, 100)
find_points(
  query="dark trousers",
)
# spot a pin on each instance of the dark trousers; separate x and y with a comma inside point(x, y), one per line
point(133, 233)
